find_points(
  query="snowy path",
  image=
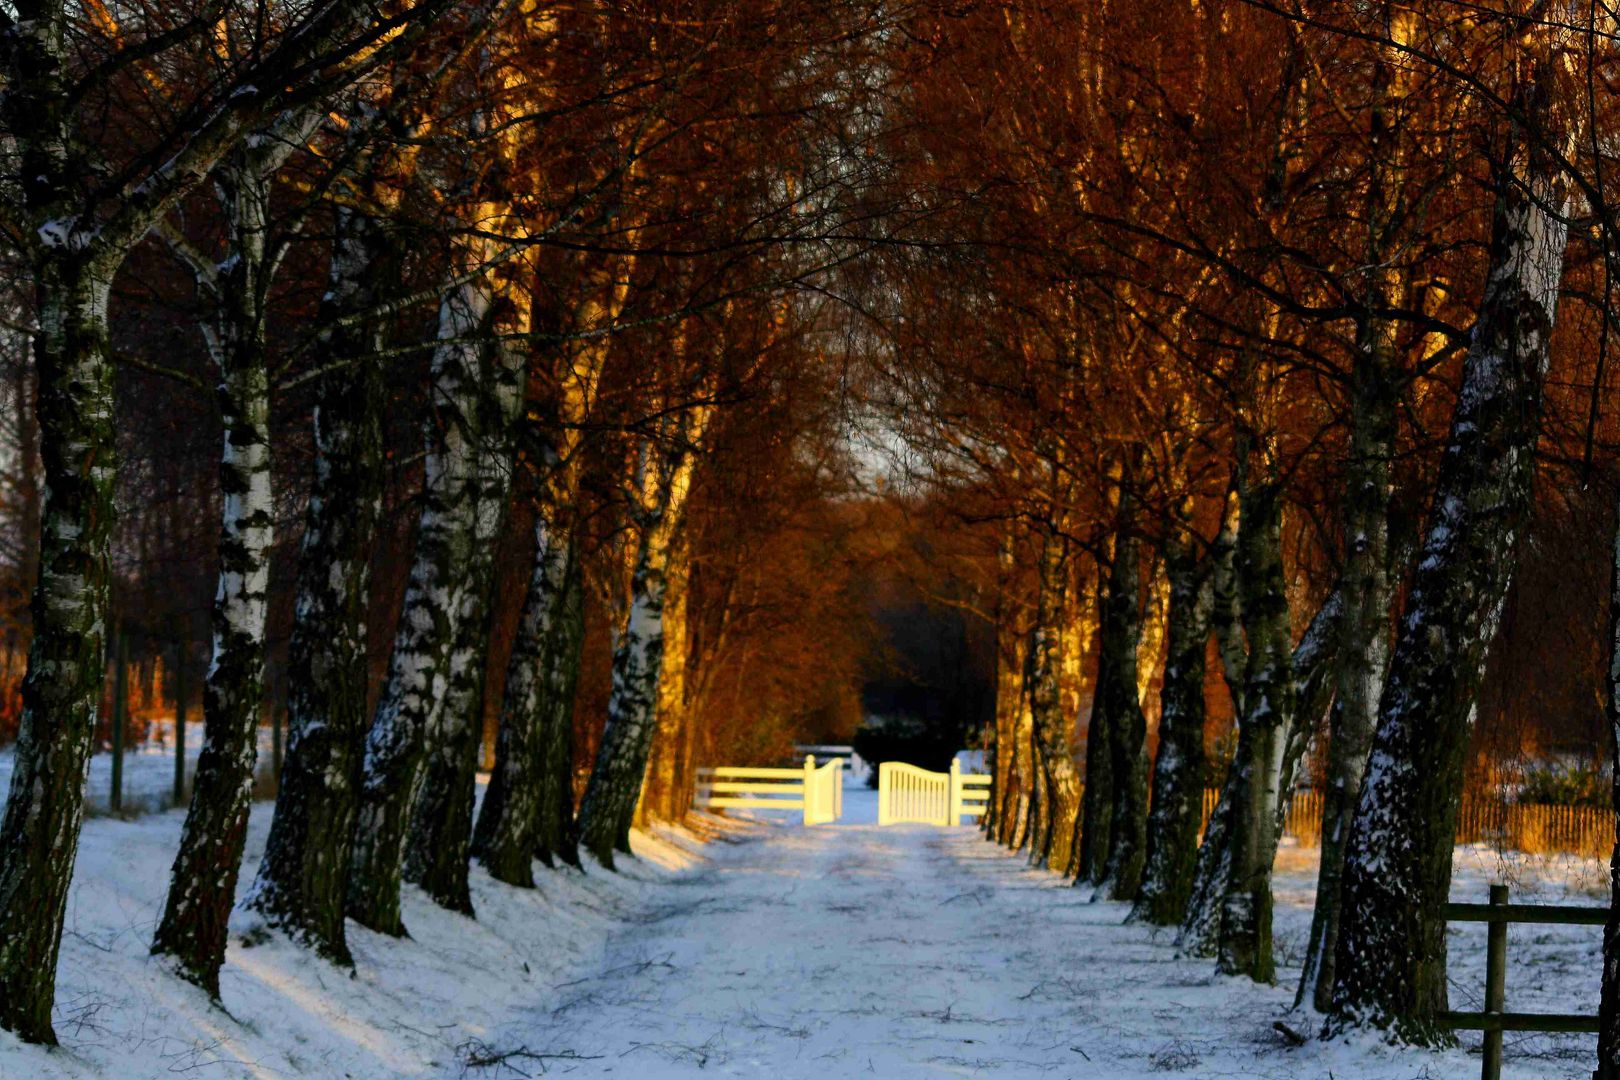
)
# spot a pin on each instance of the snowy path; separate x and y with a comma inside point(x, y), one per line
point(774, 951)
point(917, 951)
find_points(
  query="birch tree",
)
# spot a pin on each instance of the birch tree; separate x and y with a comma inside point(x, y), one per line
point(202, 891)
point(80, 221)
point(664, 476)
point(1391, 955)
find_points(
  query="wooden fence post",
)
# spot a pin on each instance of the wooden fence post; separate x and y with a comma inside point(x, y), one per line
point(955, 817)
point(120, 718)
point(1495, 984)
point(180, 720)
point(810, 814)
point(275, 745)
point(883, 792)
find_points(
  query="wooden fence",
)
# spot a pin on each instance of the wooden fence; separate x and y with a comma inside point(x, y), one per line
point(1534, 828)
point(1495, 1018)
point(817, 793)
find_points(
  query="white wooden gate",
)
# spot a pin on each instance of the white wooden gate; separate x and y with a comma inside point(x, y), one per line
point(907, 793)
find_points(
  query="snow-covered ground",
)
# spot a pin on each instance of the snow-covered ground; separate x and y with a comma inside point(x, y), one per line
point(774, 950)
point(917, 951)
point(423, 1006)
point(148, 773)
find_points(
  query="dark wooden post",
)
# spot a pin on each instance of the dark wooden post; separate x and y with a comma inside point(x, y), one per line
point(180, 652)
point(120, 718)
point(276, 715)
point(1495, 984)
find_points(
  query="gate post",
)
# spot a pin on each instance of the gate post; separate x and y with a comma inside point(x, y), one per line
point(883, 792)
point(955, 817)
point(809, 784)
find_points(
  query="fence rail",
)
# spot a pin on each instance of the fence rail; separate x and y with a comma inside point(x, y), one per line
point(818, 793)
point(1495, 1019)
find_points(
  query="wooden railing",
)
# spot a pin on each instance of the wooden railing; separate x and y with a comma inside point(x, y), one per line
point(817, 793)
point(970, 794)
point(1495, 1018)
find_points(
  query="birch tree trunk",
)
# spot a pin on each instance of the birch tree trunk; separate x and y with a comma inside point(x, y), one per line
point(1363, 636)
point(1097, 809)
point(543, 717)
point(1391, 955)
point(1244, 943)
point(1121, 876)
point(1020, 728)
point(1227, 616)
point(202, 891)
point(558, 837)
point(39, 836)
point(507, 837)
point(1098, 796)
point(419, 671)
point(1178, 770)
point(608, 808)
point(620, 765)
point(1051, 726)
point(661, 800)
point(1312, 665)
point(1365, 584)
point(437, 853)
point(1009, 694)
point(303, 877)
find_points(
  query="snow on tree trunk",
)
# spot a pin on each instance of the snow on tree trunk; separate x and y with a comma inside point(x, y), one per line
point(1051, 726)
point(1365, 583)
point(436, 855)
point(558, 832)
point(202, 891)
point(616, 777)
point(1391, 955)
point(303, 878)
point(1243, 942)
point(1312, 664)
point(534, 760)
point(1178, 770)
point(39, 835)
point(420, 674)
point(1121, 876)
point(1367, 593)
point(507, 835)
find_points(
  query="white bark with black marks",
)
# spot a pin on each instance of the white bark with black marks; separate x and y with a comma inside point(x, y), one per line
point(303, 878)
point(435, 602)
point(1391, 955)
